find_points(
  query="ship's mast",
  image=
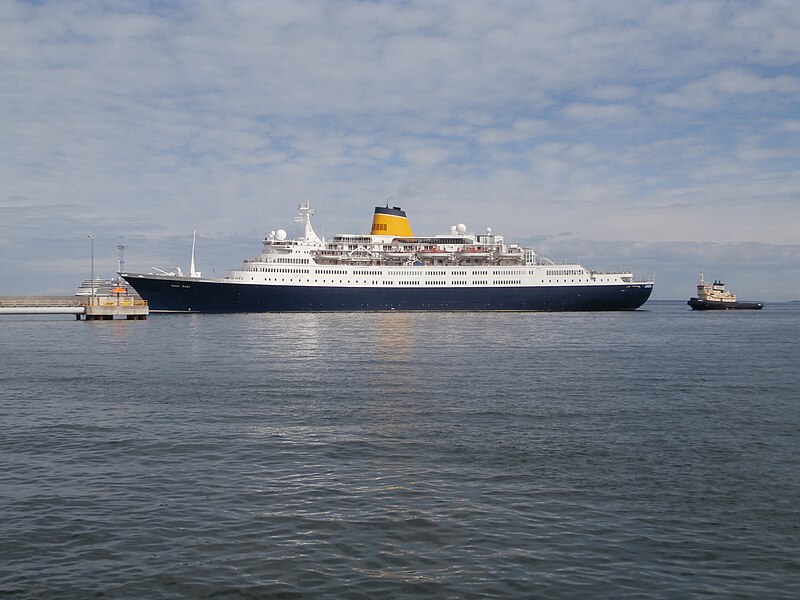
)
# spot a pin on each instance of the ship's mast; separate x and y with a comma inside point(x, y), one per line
point(192, 272)
point(309, 236)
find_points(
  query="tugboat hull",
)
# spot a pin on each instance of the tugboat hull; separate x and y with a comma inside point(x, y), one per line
point(698, 304)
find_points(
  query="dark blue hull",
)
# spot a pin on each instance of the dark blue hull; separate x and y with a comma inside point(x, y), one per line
point(182, 294)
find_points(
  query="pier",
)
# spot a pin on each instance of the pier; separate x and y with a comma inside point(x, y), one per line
point(88, 308)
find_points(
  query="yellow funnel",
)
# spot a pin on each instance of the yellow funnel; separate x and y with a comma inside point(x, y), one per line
point(390, 221)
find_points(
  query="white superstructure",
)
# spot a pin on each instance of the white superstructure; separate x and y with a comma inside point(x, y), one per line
point(458, 258)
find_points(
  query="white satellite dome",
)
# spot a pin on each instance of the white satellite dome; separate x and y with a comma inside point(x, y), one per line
point(461, 228)
point(280, 235)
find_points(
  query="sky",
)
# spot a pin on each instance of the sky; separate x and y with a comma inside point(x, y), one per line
point(663, 137)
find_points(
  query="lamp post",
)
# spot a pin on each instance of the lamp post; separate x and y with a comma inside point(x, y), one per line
point(91, 238)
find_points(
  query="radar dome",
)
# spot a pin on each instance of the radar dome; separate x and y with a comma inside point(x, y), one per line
point(280, 235)
point(453, 229)
point(461, 228)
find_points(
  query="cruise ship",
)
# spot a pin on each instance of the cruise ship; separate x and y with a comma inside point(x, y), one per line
point(392, 269)
point(104, 287)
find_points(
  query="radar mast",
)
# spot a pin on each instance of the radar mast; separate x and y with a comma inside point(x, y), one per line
point(306, 212)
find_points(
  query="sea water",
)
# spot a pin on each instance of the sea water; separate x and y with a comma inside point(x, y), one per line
point(646, 454)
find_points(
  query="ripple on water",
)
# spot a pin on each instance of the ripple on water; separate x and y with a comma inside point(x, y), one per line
point(363, 456)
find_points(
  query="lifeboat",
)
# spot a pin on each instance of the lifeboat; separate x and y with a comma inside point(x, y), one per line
point(433, 254)
point(397, 254)
point(510, 255)
point(328, 257)
point(473, 253)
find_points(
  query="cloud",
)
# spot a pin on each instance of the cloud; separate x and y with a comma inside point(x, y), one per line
point(615, 121)
point(611, 93)
point(721, 88)
point(599, 112)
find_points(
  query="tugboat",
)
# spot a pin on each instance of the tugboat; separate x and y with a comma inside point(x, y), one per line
point(712, 296)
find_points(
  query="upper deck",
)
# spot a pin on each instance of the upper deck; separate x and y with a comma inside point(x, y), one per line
point(458, 257)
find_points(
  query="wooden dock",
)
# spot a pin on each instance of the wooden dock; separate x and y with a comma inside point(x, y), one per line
point(89, 308)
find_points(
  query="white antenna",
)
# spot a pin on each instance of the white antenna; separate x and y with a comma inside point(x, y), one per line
point(192, 272)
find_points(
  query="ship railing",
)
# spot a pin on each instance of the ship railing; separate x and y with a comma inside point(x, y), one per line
point(15, 301)
point(122, 300)
point(626, 275)
point(639, 279)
